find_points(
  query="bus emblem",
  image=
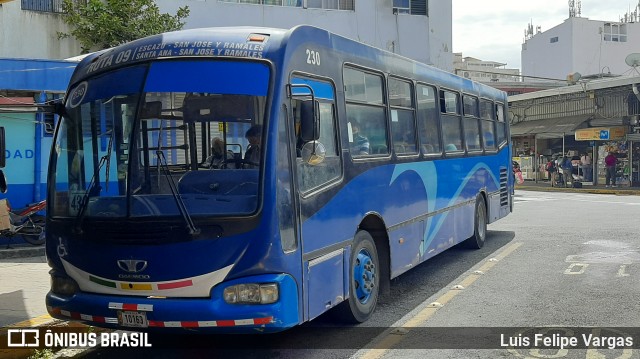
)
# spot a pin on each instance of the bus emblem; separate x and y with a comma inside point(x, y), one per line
point(132, 265)
point(77, 95)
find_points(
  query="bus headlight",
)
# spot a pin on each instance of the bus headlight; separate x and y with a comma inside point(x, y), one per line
point(63, 286)
point(251, 293)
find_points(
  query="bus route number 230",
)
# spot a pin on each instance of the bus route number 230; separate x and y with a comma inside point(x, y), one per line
point(313, 57)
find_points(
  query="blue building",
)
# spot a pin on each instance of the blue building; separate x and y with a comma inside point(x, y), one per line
point(29, 135)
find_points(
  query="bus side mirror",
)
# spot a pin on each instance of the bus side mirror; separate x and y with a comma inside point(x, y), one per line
point(3, 152)
point(309, 120)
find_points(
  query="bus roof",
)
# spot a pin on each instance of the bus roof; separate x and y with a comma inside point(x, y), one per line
point(264, 43)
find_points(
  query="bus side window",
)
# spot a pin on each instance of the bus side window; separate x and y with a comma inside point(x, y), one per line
point(403, 124)
point(501, 127)
point(451, 122)
point(487, 125)
point(428, 124)
point(310, 175)
point(471, 123)
point(366, 113)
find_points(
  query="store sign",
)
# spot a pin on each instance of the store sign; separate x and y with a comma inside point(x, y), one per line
point(601, 133)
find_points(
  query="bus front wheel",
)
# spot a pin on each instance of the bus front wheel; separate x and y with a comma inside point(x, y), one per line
point(364, 280)
point(479, 225)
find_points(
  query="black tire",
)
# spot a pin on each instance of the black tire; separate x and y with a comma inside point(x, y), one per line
point(479, 225)
point(364, 281)
point(33, 233)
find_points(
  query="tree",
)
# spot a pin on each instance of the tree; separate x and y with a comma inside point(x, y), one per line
point(101, 24)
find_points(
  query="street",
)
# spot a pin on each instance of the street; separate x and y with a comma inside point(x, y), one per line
point(567, 260)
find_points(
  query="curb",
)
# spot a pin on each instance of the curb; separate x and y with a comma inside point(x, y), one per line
point(581, 190)
point(21, 252)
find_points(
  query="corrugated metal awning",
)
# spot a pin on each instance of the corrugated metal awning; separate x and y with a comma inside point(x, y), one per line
point(549, 128)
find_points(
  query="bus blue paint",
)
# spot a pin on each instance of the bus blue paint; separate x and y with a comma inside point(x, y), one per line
point(177, 245)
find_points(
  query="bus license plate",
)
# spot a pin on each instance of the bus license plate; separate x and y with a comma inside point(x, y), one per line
point(133, 319)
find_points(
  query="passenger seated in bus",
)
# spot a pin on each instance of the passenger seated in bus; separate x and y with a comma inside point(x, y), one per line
point(360, 143)
point(450, 147)
point(217, 157)
point(427, 148)
point(252, 156)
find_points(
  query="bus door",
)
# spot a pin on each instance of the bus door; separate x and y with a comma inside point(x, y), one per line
point(318, 168)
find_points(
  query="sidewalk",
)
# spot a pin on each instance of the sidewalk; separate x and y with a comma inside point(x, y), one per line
point(24, 284)
point(545, 186)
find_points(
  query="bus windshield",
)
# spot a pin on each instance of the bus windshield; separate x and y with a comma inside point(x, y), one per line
point(162, 139)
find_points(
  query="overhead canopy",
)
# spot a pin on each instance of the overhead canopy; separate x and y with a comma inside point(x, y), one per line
point(35, 74)
point(549, 128)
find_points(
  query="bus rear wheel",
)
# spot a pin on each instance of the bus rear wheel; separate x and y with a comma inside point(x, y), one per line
point(479, 225)
point(364, 280)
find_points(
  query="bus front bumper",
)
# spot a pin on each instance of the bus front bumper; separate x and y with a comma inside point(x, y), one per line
point(211, 314)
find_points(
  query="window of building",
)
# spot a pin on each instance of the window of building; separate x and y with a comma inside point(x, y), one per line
point(311, 4)
point(45, 5)
point(553, 39)
point(411, 7)
point(366, 113)
point(428, 124)
point(615, 32)
point(331, 4)
point(403, 125)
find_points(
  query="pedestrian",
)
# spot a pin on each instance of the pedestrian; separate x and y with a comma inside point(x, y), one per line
point(610, 169)
point(587, 169)
point(567, 169)
point(553, 171)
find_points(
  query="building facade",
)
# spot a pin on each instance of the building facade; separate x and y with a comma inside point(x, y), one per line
point(588, 47)
point(417, 29)
point(29, 29)
point(483, 71)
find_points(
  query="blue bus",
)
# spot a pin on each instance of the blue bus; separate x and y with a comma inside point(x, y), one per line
point(339, 167)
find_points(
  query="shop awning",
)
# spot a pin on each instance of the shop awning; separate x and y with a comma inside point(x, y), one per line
point(549, 128)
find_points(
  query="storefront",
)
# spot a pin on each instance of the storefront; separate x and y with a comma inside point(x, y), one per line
point(614, 140)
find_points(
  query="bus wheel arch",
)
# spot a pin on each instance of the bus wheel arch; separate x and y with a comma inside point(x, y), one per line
point(374, 224)
point(368, 271)
point(480, 220)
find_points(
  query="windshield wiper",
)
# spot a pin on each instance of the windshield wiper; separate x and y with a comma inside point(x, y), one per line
point(162, 163)
point(182, 208)
point(92, 190)
point(94, 187)
point(108, 162)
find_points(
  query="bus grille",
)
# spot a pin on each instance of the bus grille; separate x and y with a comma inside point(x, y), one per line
point(504, 193)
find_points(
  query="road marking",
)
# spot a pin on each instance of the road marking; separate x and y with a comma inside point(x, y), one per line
point(395, 336)
point(583, 267)
point(622, 270)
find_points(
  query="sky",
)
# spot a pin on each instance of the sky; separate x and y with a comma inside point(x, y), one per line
point(493, 30)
